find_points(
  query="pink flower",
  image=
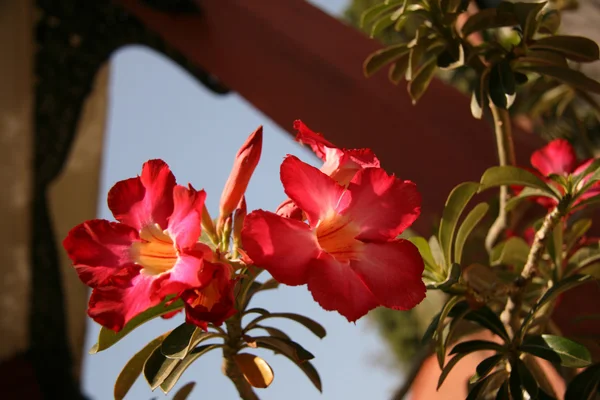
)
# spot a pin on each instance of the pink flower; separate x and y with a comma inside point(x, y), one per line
point(215, 301)
point(150, 253)
point(347, 254)
point(558, 157)
point(340, 164)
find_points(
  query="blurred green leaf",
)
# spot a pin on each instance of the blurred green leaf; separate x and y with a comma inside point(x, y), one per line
point(273, 332)
point(513, 251)
point(542, 58)
point(527, 14)
point(472, 346)
point(372, 13)
point(107, 338)
point(421, 80)
point(584, 385)
point(570, 354)
point(177, 343)
point(398, 69)
point(291, 349)
point(508, 175)
point(528, 382)
point(437, 254)
point(425, 251)
point(488, 319)
point(171, 380)
point(550, 22)
point(475, 391)
point(577, 231)
point(514, 383)
point(455, 204)
point(486, 366)
point(184, 392)
point(446, 370)
point(503, 392)
point(487, 19)
point(569, 76)
point(440, 346)
point(575, 48)
point(381, 24)
point(526, 193)
point(383, 57)
point(132, 370)
point(157, 368)
point(470, 222)
point(308, 323)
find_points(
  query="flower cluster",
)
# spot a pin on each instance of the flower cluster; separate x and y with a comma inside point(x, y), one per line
point(347, 251)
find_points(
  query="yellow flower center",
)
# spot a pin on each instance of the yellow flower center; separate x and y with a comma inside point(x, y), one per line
point(156, 252)
point(336, 235)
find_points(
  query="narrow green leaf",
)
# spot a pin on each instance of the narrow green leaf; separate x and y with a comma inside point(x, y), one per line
point(471, 220)
point(527, 14)
point(257, 310)
point(455, 204)
point(370, 14)
point(525, 194)
point(383, 57)
point(425, 252)
point(291, 349)
point(488, 319)
point(472, 346)
point(184, 392)
point(486, 366)
point(171, 380)
point(420, 82)
point(487, 19)
point(132, 370)
point(382, 24)
point(513, 251)
point(591, 169)
point(550, 22)
point(503, 392)
point(527, 380)
point(575, 48)
point(308, 323)
point(569, 76)
point(453, 277)
point(475, 391)
point(585, 384)
point(437, 254)
point(508, 175)
point(496, 88)
point(398, 69)
point(438, 335)
point(273, 332)
point(177, 343)
point(158, 367)
point(514, 383)
point(560, 287)
point(446, 370)
point(107, 338)
point(542, 58)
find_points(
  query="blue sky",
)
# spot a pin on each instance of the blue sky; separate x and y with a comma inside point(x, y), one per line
point(157, 111)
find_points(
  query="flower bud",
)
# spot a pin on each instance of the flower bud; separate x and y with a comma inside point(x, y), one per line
point(245, 162)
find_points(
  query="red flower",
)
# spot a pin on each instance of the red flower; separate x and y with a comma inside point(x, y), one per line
point(558, 157)
point(340, 164)
point(214, 302)
point(152, 252)
point(348, 253)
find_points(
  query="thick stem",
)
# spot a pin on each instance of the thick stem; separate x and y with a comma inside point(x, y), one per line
point(506, 156)
point(230, 368)
point(511, 314)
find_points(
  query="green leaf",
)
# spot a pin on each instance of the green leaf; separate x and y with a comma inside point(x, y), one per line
point(525, 193)
point(550, 22)
point(420, 82)
point(527, 380)
point(591, 169)
point(567, 352)
point(157, 368)
point(455, 204)
point(475, 391)
point(398, 69)
point(487, 19)
point(446, 370)
point(526, 14)
point(308, 323)
point(370, 14)
point(437, 254)
point(257, 310)
point(177, 343)
point(540, 57)
point(107, 338)
point(383, 57)
point(382, 24)
point(488, 319)
point(569, 76)
point(514, 383)
point(513, 251)
point(471, 220)
point(585, 384)
point(132, 370)
point(560, 287)
point(273, 332)
point(508, 175)
point(440, 346)
point(171, 380)
point(575, 48)
point(452, 278)
point(290, 348)
point(423, 247)
point(487, 365)
point(184, 392)
point(472, 346)
point(502, 85)
point(503, 392)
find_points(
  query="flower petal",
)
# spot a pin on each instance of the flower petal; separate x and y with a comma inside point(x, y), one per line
point(337, 288)
point(393, 272)
point(99, 250)
point(185, 222)
point(557, 157)
point(214, 302)
point(188, 272)
point(289, 209)
point(316, 141)
point(382, 205)
point(282, 246)
point(314, 192)
point(112, 307)
point(144, 200)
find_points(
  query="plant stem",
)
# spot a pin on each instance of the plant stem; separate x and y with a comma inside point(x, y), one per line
point(511, 314)
point(506, 156)
point(230, 367)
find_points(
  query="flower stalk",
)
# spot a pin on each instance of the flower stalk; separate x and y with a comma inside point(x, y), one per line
point(230, 367)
